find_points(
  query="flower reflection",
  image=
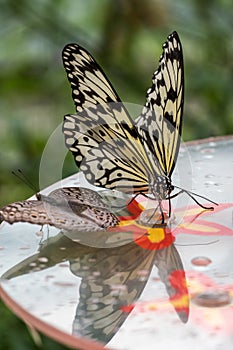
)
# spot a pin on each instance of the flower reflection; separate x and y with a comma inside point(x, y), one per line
point(206, 295)
point(191, 219)
point(114, 277)
point(193, 223)
point(211, 303)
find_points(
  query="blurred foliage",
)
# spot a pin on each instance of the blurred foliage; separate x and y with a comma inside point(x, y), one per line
point(126, 38)
point(15, 335)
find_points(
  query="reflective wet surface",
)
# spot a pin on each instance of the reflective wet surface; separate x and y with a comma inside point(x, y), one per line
point(138, 288)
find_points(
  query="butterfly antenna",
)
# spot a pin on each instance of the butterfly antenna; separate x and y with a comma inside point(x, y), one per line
point(22, 177)
point(193, 195)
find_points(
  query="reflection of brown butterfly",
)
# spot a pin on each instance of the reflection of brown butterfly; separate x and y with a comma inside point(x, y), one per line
point(112, 281)
point(69, 208)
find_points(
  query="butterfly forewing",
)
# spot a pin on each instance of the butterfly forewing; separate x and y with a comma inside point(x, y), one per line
point(160, 123)
point(89, 84)
point(102, 136)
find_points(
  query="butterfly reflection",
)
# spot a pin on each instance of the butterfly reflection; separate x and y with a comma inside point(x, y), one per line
point(112, 281)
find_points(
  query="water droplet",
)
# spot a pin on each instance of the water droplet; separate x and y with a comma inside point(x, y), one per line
point(201, 261)
point(48, 277)
point(209, 176)
point(45, 314)
point(156, 279)
point(33, 264)
point(43, 259)
point(95, 300)
point(63, 284)
point(211, 183)
point(39, 233)
point(208, 156)
point(143, 272)
point(24, 248)
point(63, 265)
point(207, 150)
point(212, 298)
point(96, 273)
point(118, 287)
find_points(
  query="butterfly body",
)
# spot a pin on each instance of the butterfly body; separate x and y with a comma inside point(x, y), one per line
point(161, 187)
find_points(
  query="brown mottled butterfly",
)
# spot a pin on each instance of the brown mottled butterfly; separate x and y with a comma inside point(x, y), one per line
point(68, 208)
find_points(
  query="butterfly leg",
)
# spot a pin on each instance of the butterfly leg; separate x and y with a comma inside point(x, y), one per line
point(42, 235)
point(159, 220)
point(196, 201)
point(162, 213)
point(175, 195)
point(191, 195)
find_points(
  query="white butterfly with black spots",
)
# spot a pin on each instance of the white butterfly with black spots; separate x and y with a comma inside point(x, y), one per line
point(111, 149)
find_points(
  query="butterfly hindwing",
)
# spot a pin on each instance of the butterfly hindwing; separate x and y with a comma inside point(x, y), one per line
point(108, 159)
point(80, 195)
point(83, 203)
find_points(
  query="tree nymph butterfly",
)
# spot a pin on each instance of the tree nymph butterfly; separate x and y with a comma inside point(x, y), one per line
point(68, 208)
point(110, 148)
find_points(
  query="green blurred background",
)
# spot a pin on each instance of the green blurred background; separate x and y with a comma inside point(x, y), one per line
point(126, 38)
